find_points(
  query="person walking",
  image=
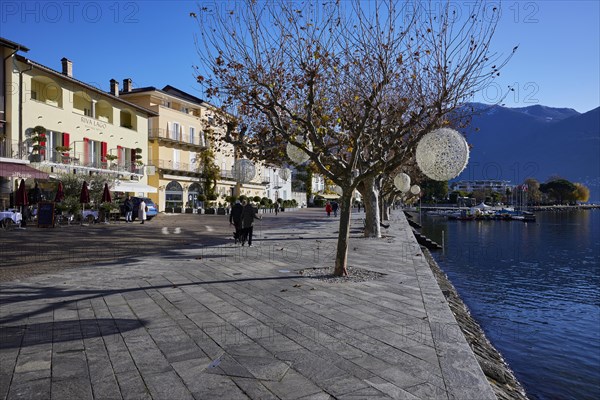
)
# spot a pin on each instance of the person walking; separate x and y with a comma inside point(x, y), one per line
point(235, 219)
point(276, 207)
point(328, 209)
point(248, 217)
point(142, 211)
point(128, 206)
point(334, 208)
point(359, 206)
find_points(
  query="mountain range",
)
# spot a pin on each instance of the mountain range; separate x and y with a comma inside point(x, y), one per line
point(534, 142)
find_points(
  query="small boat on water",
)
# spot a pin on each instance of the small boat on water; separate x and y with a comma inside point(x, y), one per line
point(488, 214)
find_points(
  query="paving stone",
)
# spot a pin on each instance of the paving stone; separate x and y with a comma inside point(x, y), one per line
point(30, 389)
point(71, 389)
point(254, 389)
point(234, 325)
point(292, 386)
point(216, 386)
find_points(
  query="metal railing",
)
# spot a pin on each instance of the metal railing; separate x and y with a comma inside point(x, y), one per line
point(177, 166)
point(183, 138)
point(70, 158)
point(10, 149)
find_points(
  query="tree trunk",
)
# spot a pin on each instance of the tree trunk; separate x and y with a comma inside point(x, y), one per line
point(370, 196)
point(341, 257)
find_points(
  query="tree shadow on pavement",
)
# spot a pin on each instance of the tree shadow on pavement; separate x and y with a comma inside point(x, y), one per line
point(64, 331)
point(49, 293)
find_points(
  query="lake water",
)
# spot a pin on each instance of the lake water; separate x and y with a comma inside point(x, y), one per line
point(535, 290)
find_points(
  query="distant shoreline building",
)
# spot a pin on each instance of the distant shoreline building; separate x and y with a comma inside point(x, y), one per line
point(499, 186)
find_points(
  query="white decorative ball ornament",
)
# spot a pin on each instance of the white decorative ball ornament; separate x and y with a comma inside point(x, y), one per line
point(402, 182)
point(415, 189)
point(243, 171)
point(338, 190)
point(442, 154)
point(284, 173)
point(296, 154)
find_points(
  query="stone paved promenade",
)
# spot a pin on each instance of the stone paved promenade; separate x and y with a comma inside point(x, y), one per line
point(217, 321)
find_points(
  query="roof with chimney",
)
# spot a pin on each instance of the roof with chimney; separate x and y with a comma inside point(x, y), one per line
point(46, 69)
point(170, 91)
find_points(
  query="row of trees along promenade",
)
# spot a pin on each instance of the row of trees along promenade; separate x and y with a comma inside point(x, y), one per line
point(354, 85)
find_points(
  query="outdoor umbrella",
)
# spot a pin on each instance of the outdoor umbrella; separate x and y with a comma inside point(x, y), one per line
point(106, 199)
point(60, 193)
point(21, 199)
point(106, 194)
point(84, 198)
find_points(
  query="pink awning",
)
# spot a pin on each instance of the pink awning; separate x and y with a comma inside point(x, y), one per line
point(13, 170)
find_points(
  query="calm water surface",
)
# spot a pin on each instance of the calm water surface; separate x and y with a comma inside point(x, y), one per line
point(535, 290)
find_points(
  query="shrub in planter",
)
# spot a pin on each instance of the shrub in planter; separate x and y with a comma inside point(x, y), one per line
point(220, 211)
point(210, 211)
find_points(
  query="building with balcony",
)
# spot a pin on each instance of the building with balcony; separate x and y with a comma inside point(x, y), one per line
point(184, 129)
point(85, 129)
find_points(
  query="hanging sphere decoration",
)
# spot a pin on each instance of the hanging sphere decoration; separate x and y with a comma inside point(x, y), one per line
point(442, 154)
point(402, 182)
point(285, 173)
point(296, 154)
point(243, 171)
point(415, 189)
point(338, 190)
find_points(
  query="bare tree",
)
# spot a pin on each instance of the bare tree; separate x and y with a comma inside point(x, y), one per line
point(361, 81)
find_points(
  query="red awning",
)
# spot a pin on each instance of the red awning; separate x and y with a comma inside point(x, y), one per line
point(13, 170)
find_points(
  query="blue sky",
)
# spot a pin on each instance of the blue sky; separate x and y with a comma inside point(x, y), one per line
point(151, 42)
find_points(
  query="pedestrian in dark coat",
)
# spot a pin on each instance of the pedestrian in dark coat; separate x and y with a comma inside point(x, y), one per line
point(248, 216)
point(128, 205)
point(334, 208)
point(235, 219)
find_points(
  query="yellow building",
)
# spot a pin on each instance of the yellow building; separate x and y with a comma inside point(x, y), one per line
point(183, 130)
point(86, 130)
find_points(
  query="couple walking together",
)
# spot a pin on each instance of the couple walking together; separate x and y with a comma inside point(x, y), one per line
point(242, 217)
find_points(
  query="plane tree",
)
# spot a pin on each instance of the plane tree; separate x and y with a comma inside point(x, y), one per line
point(352, 84)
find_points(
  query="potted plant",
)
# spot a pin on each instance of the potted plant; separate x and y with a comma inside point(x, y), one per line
point(63, 153)
point(111, 158)
point(169, 207)
point(138, 157)
point(211, 210)
point(37, 137)
point(220, 209)
point(188, 208)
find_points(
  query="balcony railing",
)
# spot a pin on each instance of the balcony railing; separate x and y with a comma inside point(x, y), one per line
point(71, 158)
point(10, 149)
point(227, 174)
point(181, 138)
point(177, 166)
